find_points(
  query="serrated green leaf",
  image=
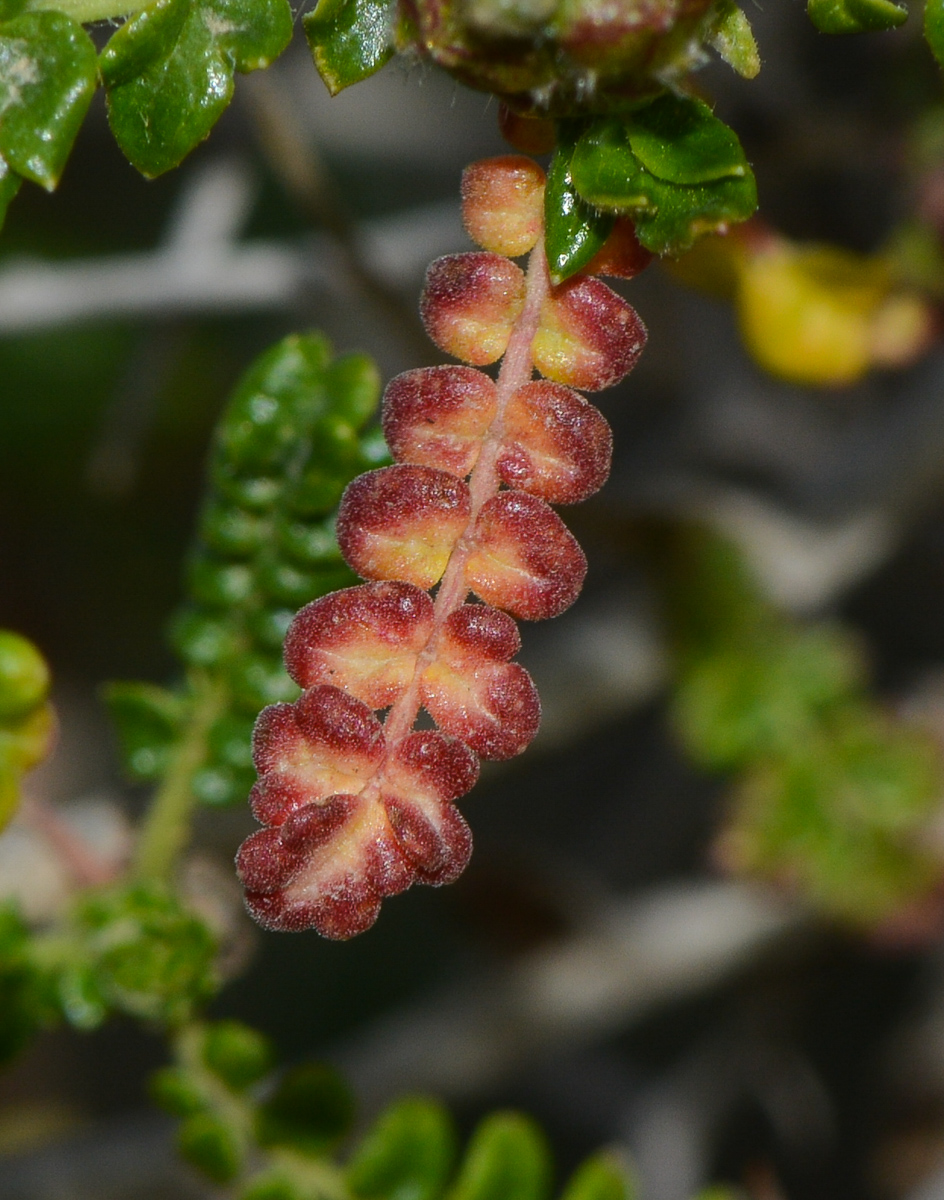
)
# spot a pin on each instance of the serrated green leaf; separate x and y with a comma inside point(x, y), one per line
point(734, 41)
point(168, 71)
point(407, 1155)
point(310, 1110)
point(350, 39)
point(48, 74)
point(934, 28)
point(855, 16)
point(574, 231)
point(148, 721)
point(602, 1177)
point(507, 1159)
point(9, 186)
point(679, 139)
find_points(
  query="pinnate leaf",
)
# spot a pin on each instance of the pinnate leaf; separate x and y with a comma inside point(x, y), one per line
point(350, 39)
point(169, 71)
point(47, 79)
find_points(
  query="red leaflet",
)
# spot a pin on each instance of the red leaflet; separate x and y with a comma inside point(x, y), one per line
point(526, 560)
point(357, 810)
point(470, 304)
point(363, 639)
point(589, 337)
point(556, 445)
point(438, 416)
point(503, 203)
point(402, 522)
point(473, 692)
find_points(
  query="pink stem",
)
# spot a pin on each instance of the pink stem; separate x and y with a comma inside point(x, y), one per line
point(85, 867)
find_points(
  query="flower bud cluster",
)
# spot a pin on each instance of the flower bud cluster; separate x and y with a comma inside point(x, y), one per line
point(356, 808)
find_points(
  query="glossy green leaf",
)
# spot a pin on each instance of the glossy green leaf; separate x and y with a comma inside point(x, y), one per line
point(48, 74)
point(507, 1159)
point(574, 231)
point(679, 139)
point(169, 70)
point(310, 1110)
point(148, 721)
point(605, 171)
point(407, 1155)
point(602, 1177)
point(855, 16)
point(9, 186)
point(733, 39)
point(350, 39)
point(934, 28)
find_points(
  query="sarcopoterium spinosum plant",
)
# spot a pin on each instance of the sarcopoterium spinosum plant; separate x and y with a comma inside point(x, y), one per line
point(357, 806)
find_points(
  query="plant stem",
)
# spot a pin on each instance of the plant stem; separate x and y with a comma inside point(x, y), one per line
point(87, 11)
point(166, 828)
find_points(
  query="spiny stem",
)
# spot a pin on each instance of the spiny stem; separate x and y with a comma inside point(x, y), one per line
point(166, 829)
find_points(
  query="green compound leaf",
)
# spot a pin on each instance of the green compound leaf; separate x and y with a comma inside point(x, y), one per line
point(169, 71)
point(310, 1110)
point(934, 28)
point(407, 1155)
point(734, 40)
point(602, 1177)
point(574, 231)
point(679, 139)
point(48, 74)
point(669, 217)
point(855, 16)
point(148, 721)
point(507, 1159)
point(9, 186)
point(350, 39)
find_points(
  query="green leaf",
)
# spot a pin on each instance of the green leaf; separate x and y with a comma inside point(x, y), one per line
point(734, 40)
point(310, 1110)
point(9, 186)
point(679, 139)
point(507, 1159)
point(236, 1053)
point(353, 385)
point(855, 16)
point(934, 28)
point(574, 231)
point(48, 74)
point(206, 1142)
point(169, 70)
point(174, 1090)
point(602, 1177)
point(350, 39)
point(148, 721)
point(605, 171)
point(407, 1155)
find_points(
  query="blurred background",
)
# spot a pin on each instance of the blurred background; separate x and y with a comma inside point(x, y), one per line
point(591, 966)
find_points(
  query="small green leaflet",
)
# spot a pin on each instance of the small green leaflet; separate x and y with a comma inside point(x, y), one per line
point(602, 1177)
point(148, 720)
point(669, 215)
point(168, 71)
point(350, 39)
point(507, 1159)
point(855, 16)
point(574, 230)
point(734, 39)
point(679, 139)
point(9, 186)
point(407, 1155)
point(934, 28)
point(47, 78)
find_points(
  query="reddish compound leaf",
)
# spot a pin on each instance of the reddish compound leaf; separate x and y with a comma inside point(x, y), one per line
point(363, 639)
point(556, 444)
point(438, 416)
point(470, 304)
point(526, 560)
point(402, 522)
point(589, 337)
